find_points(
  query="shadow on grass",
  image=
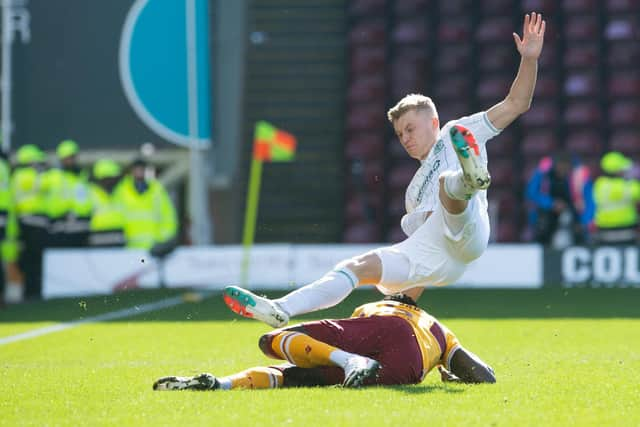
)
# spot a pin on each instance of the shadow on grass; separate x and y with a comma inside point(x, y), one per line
point(442, 303)
point(427, 388)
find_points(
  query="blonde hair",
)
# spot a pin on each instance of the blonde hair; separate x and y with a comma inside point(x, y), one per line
point(413, 101)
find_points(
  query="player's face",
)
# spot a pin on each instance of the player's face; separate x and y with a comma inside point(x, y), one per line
point(417, 131)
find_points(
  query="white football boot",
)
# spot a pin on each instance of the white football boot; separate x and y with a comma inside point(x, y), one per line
point(358, 369)
point(476, 174)
point(252, 306)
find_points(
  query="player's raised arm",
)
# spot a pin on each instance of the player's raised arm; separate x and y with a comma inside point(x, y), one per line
point(519, 98)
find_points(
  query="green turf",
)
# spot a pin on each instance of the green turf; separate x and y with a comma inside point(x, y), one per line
point(561, 358)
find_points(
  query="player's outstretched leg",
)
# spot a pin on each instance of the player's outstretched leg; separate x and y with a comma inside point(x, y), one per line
point(304, 351)
point(325, 292)
point(467, 149)
point(248, 304)
point(199, 382)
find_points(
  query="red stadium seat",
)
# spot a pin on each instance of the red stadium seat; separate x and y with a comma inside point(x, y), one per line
point(400, 175)
point(396, 150)
point(582, 114)
point(503, 145)
point(362, 233)
point(455, 8)
point(368, 33)
point(366, 176)
point(368, 59)
point(624, 84)
point(410, 7)
point(406, 78)
point(582, 28)
point(623, 55)
point(456, 31)
point(625, 113)
point(493, 89)
point(366, 118)
point(451, 87)
point(623, 6)
point(507, 231)
point(367, 7)
point(546, 86)
point(622, 29)
point(507, 201)
point(543, 6)
point(580, 6)
point(497, 57)
point(366, 146)
point(410, 57)
point(582, 56)
point(412, 31)
point(585, 143)
point(496, 7)
point(452, 110)
point(396, 207)
point(364, 208)
point(502, 173)
point(541, 114)
point(548, 59)
point(539, 143)
point(458, 57)
point(584, 84)
point(495, 30)
point(626, 141)
point(367, 89)
point(593, 164)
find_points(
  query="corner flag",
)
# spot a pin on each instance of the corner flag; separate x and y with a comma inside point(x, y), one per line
point(270, 144)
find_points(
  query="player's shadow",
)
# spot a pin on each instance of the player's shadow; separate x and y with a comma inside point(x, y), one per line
point(428, 388)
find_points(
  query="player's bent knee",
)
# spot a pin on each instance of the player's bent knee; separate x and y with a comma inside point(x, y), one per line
point(473, 249)
point(367, 268)
point(265, 343)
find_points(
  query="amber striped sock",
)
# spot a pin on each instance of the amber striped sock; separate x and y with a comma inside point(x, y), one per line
point(254, 378)
point(306, 352)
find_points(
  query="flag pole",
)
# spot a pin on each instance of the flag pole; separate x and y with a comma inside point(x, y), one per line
point(250, 216)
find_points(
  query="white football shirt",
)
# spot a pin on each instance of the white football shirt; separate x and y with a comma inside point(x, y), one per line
point(422, 192)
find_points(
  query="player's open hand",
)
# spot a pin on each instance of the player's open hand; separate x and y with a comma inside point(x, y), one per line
point(530, 45)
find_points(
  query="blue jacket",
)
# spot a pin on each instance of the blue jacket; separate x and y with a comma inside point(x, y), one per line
point(580, 185)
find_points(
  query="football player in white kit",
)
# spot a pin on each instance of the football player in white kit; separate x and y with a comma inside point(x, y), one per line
point(447, 223)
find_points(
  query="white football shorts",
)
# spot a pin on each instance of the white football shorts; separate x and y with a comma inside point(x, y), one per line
point(433, 255)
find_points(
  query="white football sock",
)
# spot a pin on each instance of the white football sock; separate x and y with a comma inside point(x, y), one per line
point(340, 357)
point(456, 187)
point(225, 383)
point(325, 292)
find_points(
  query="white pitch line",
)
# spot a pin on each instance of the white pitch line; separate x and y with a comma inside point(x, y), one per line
point(126, 312)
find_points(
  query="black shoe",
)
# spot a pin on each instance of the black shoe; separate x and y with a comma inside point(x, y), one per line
point(199, 382)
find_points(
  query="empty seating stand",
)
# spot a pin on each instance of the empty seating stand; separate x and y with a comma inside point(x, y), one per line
point(461, 53)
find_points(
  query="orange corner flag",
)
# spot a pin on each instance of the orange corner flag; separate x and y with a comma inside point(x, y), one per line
point(271, 144)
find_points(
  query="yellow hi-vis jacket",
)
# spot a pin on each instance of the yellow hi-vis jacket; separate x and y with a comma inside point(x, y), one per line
point(8, 224)
point(66, 192)
point(616, 200)
point(150, 217)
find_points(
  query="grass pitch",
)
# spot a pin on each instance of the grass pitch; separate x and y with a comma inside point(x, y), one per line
point(561, 358)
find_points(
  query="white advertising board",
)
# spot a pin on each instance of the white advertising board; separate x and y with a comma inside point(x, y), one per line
point(77, 272)
point(70, 272)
